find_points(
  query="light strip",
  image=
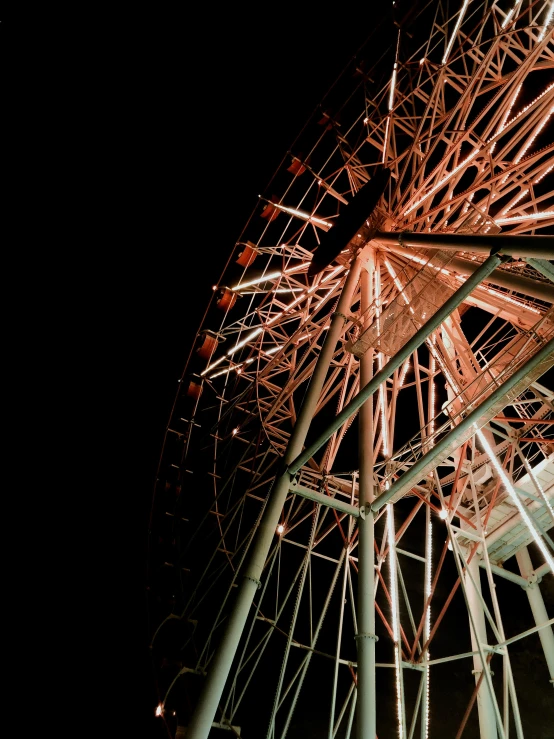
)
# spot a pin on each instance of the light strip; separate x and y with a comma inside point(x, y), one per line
point(512, 11)
point(537, 483)
point(508, 111)
point(264, 278)
point(547, 171)
point(236, 367)
point(521, 195)
point(301, 214)
point(392, 86)
point(382, 390)
point(458, 24)
point(526, 108)
point(527, 217)
point(395, 624)
point(534, 135)
point(547, 21)
point(515, 498)
point(427, 628)
point(212, 365)
point(244, 341)
point(443, 181)
point(404, 372)
point(432, 370)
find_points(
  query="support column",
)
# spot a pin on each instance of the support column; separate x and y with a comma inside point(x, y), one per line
point(220, 665)
point(365, 638)
point(487, 720)
point(538, 608)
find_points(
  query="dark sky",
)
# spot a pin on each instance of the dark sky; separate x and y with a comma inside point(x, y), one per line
point(205, 106)
point(215, 101)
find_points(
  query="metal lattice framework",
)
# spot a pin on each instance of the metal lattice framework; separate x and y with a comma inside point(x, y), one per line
point(357, 481)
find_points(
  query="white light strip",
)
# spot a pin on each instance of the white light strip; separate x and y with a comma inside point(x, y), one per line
point(521, 195)
point(264, 278)
point(386, 144)
point(527, 217)
point(534, 135)
point(443, 181)
point(236, 367)
point(382, 389)
point(458, 24)
point(526, 108)
point(212, 365)
point(395, 624)
point(547, 21)
point(305, 216)
point(512, 11)
point(432, 370)
point(515, 498)
point(427, 627)
point(507, 113)
point(244, 341)
point(404, 372)
point(539, 486)
point(392, 86)
point(547, 171)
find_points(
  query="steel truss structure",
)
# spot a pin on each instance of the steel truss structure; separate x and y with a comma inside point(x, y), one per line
point(356, 486)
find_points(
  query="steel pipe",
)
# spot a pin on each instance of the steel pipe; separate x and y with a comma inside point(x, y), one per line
point(539, 247)
point(418, 469)
point(416, 341)
point(523, 285)
point(222, 660)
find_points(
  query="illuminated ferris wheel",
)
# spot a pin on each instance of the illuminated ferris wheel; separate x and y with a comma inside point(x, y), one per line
point(350, 530)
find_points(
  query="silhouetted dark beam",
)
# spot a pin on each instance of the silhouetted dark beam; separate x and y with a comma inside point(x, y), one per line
point(351, 220)
point(539, 247)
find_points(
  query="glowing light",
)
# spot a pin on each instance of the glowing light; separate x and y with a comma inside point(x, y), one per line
point(443, 514)
point(529, 105)
point(540, 177)
point(392, 86)
point(443, 181)
point(382, 389)
point(512, 11)
point(404, 372)
point(502, 125)
point(449, 546)
point(539, 486)
point(421, 61)
point(386, 144)
point(427, 626)
point(212, 365)
point(236, 367)
point(264, 278)
point(521, 195)
point(515, 499)
point(245, 341)
point(507, 298)
point(280, 529)
point(305, 216)
point(527, 217)
point(432, 370)
point(395, 624)
point(235, 431)
point(547, 21)
point(534, 135)
point(458, 24)
point(159, 709)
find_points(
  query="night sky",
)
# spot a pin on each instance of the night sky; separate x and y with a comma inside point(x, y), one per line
point(205, 107)
point(217, 101)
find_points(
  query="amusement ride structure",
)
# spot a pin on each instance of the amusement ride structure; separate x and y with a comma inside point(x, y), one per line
point(350, 528)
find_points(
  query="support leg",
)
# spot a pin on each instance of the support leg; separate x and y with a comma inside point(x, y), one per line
point(539, 611)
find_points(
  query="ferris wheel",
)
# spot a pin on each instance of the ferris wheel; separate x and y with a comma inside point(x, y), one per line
point(350, 528)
